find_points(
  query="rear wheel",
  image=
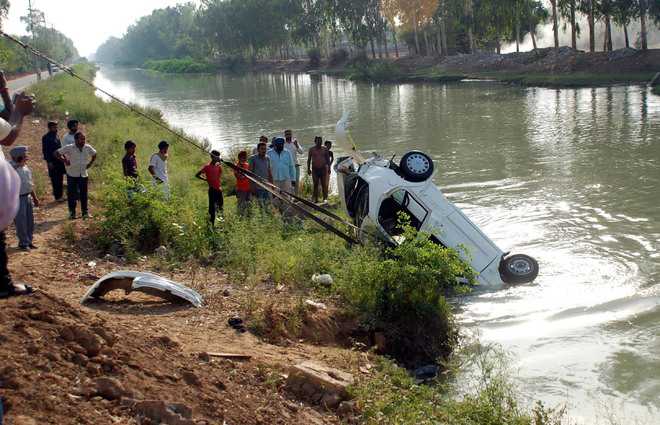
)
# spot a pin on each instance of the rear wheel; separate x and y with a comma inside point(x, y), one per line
point(416, 166)
point(518, 269)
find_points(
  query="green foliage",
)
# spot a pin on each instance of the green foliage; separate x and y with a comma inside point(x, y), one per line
point(375, 71)
point(338, 56)
point(314, 56)
point(179, 66)
point(393, 397)
point(406, 288)
point(656, 90)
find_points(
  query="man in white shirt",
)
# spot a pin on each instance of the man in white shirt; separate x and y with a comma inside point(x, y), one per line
point(11, 119)
point(295, 149)
point(69, 138)
point(77, 158)
point(158, 168)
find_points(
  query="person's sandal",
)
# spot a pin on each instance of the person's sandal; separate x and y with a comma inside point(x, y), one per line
point(16, 291)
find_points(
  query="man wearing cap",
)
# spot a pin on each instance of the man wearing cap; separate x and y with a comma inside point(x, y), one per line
point(11, 119)
point(294, 149)
point(50, 143)
point(158, 168)
point(282, 166)
point(24, 220)
point(77, 159)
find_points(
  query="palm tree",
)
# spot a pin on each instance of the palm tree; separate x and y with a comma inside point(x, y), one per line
point(555, 22)
point(567, 9)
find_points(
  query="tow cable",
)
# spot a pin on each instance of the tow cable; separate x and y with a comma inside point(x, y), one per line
point(289, 198)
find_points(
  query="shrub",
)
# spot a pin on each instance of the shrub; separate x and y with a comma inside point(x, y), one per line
point(393, 397)
point(179, 66)
point(338, 56)
point(406, 288)
point(374, 72)
point(314, 56)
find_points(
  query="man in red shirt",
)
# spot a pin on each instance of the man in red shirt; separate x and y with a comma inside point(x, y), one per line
point(213, 175)
point(243, 186)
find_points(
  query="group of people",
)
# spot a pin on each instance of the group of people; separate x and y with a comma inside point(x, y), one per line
point(276, 162)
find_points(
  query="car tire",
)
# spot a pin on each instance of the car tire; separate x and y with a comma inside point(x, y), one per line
point(416, 166)
point(519, 268)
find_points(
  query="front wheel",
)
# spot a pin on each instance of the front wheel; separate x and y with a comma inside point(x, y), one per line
point(518, 269)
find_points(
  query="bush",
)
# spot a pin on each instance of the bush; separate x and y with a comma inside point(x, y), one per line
point(179, 66)
point(374, 71)
point(406, 288)
point(393, 397)
point(314, 56)
point(338, 56)
point(233, 63)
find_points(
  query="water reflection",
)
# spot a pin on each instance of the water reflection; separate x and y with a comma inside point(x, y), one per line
point(569, 176)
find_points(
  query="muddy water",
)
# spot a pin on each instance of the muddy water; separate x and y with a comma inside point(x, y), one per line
point(569, 176)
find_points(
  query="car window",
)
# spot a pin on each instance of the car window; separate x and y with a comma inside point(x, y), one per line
point(401, 201)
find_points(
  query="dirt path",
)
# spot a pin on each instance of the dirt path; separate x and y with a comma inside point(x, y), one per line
point(66, 264)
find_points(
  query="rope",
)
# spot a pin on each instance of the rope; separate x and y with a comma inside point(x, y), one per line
point(272, 189)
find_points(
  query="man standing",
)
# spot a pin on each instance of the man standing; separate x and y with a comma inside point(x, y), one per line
point(77, 158)
point(318, 166)
point(158, 168)
point(282, 167)
point(129, 162)
point(260, 165)
point(24, 221)
point(213, 175)
point(11, 119)
point(294, 148)
point(70, 137)
point(50, 143)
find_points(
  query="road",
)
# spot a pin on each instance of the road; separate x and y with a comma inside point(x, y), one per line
point(24, 82)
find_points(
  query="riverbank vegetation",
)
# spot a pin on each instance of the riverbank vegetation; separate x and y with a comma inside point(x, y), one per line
point(389, 292)
point(179, 66)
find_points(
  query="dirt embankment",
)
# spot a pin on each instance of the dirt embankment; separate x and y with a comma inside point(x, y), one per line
point(549, 67)
point(138, 359)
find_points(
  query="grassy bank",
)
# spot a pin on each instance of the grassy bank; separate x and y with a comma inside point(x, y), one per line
point(180, 66)
point(391, 292)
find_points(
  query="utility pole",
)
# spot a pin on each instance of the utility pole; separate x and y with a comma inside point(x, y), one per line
point(31, 25)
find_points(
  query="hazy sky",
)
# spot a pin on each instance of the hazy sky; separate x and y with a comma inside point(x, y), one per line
point(87, 22)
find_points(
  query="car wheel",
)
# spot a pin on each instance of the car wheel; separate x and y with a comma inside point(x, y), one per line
point(416, 166)
point(518, 269)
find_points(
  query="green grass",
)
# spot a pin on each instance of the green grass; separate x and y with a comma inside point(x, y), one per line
point(391, 396)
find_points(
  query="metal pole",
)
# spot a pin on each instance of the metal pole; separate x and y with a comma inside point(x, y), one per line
point(31, 24)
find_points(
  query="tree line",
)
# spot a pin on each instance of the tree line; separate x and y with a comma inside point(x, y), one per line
point(15, 59)
point(276, 28)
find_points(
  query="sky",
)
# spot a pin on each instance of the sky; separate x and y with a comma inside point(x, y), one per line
point(87, 22)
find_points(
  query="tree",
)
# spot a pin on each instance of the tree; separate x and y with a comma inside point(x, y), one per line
point(555, 22)
point(624, 12)
point(588, 7)
point(567, 9)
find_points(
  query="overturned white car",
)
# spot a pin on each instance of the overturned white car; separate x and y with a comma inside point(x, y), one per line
point(376, 190)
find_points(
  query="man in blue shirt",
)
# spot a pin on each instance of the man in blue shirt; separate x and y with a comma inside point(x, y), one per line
point(282, 166)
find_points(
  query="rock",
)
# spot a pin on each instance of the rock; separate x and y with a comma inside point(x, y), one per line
point(108, 388)
point(167, 342)
point(315, 306)
point(204, 356)
point(89, 341)
point(191, 379)
point(346, 409)
point(322, 280)
point(160, 412)
point(24, 420)
point(380, 342)
point(161, 251)
point(319, 383)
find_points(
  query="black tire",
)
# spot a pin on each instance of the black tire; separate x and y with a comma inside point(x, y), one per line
point(416, 166)
point(519, 268)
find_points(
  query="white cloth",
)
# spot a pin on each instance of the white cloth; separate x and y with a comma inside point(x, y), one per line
point(294, 151)
point(79, 159)
point(160, 167)
point(9, 187)
point(5, 129)
point(69, 139)
point(25, 175)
